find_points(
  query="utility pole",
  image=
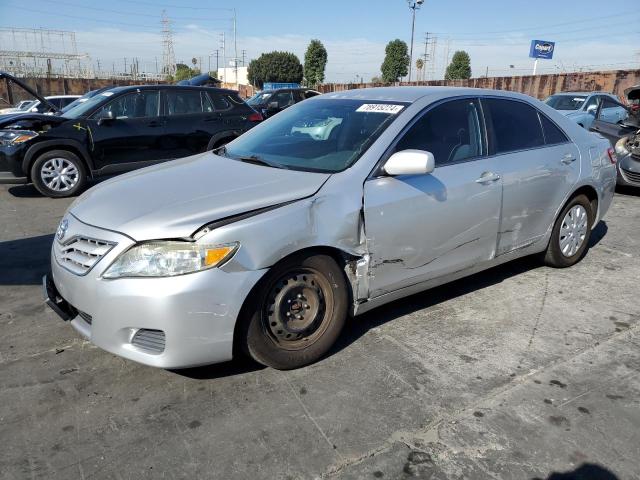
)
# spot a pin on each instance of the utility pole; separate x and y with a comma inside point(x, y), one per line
point(413, 5)
point(425, 55)
point(125, 65)
point(217, 62)
point(235, 47)
point(244, 56)
point(224, 57)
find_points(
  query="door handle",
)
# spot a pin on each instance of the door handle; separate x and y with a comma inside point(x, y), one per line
point(568, 158)
point(487, 177)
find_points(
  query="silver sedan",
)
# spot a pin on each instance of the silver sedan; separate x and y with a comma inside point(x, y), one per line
point(333, 207)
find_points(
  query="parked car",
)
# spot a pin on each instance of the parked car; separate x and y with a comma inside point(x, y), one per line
point(118, 130)
point(581, 106)
point(623, 133)
point(270, 102)
point(22, 105)
point(37, 106)
point(267, 245)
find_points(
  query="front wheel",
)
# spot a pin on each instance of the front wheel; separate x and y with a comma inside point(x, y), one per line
point(58, 173)
point(298, 313)
point(570, 236)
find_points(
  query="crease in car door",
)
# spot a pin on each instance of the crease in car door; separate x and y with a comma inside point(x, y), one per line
point(420, 227)
point(135, 133)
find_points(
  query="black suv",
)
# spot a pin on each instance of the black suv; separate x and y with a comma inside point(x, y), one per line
point(270, 102)
point(118, 130)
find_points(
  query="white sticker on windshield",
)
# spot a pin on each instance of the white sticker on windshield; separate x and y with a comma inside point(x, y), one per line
point(106, 94)
point(380, 108)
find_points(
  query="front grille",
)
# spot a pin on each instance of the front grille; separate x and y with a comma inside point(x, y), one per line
point(80, 254)
point(150, 340)
point(630, 176)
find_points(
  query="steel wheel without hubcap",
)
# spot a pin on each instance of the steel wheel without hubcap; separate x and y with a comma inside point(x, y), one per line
point(59, 174)
point(296, 309)
point(573, 230)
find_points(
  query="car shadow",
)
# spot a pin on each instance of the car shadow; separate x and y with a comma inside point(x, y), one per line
point(586, 471)
point(629, 191)
point(25, 261)
point(29, 191)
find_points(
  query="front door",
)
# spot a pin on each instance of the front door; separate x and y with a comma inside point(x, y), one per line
point(609, 121)
point(134, 133)
point(419, 227)
point(538, 169)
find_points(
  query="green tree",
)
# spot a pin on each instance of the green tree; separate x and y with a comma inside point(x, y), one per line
point(184, 72)
point(315, 61)
point(275, 67)
point(460, 67)
point(396, 61)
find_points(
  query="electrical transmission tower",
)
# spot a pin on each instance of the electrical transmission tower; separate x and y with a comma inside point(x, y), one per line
point(429, 56)
point(168, 55)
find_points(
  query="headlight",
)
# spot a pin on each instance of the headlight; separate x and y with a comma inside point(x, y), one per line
point(19, 136)
point(167, 259)
point(621, 147)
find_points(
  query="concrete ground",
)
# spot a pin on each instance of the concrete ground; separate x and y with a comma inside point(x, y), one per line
point(519, 372)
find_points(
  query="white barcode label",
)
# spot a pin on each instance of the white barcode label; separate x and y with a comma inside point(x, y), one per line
point(380, 108)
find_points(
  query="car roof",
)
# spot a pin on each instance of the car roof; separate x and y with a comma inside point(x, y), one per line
point(582, 93)
point(171, 87)
point(412, 94)
point(62, 96)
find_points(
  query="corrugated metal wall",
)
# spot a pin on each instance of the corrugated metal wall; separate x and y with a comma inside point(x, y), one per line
point(539, 86)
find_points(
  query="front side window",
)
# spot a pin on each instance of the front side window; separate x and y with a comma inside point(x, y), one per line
point(184, 102)
point(451, 132)
point(141, 104)
point(515, 125)
point(322, 136)
point(283, 99)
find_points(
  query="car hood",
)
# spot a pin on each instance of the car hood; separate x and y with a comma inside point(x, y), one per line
point(175, 199)
point(30, 121)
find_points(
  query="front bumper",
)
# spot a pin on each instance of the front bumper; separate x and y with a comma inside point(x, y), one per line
point(11, 164)
point(172, 322)
point(629, 171)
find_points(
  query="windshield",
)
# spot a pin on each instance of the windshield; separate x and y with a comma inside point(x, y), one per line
point(326, 135)
point(259, 98)
point(78, 101)
point(566, 102)
point(82, 108)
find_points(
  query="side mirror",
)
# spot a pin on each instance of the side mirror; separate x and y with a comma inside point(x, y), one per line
point(591, 109)
point(410, 162)
point(34, 110)
point(107, 117)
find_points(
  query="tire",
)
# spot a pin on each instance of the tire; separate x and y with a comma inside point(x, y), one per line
point(58, 174)
point(312, 287)
point(571, 233)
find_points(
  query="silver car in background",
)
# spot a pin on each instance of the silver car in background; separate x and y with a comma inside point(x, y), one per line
point(333, 207)
point(581, 107)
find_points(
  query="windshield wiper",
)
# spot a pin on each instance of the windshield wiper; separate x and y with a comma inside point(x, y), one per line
point(256, 160)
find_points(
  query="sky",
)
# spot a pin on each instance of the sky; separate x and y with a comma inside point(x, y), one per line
point(589, 34)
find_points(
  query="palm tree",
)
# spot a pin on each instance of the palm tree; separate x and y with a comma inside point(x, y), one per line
point(419, 67)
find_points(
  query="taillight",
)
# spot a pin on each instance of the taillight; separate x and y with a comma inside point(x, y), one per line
point(612, 155)
point(255, 117)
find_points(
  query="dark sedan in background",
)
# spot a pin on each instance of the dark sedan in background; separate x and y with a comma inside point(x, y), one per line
point(118, 130)
point(270, 102)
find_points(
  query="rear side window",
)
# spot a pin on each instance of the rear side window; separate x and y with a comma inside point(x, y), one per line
point(552, 134)
point(451, 132)
point(220, 103)
point(310, 93)
point(184, 102)
point(515, 125)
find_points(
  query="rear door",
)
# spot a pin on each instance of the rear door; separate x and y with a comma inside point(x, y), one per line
point(420, 227)
point(537, 171)
point(135, 133)
point(190, 117)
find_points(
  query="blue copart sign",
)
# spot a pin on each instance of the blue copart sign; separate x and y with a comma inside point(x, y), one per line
point(542, 49)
